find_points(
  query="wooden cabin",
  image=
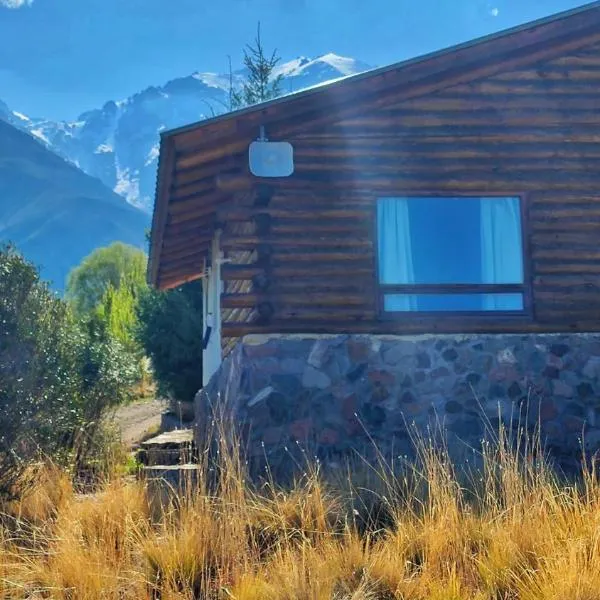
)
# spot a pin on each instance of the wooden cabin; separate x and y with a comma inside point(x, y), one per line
point(455, 192)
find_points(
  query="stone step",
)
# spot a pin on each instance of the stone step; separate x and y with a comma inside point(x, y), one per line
point(161, 456)
point(171, 420)
point(174, 475)
point(169, 483)
point(171, 448)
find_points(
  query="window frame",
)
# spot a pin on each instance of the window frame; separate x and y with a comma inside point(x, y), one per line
point(524, 288)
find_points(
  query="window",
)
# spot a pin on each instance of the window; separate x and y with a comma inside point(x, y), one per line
point(450, 254)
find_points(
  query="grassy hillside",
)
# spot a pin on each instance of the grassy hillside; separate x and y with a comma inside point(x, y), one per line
point(55, 213)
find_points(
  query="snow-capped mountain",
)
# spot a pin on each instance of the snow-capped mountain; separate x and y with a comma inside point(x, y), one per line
point(119, 142)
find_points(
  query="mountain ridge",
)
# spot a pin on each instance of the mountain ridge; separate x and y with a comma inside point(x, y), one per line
point(118, 143)
point(53, 212)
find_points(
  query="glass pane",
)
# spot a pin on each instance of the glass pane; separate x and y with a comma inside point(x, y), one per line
point(449, 240)
point(453, 302)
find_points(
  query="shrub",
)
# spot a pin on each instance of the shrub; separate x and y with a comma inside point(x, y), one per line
point(170, 331)
point(106, 287)
point(56, 376)
point(105, 268)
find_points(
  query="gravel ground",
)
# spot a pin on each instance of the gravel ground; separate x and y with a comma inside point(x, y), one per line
point(136, 419)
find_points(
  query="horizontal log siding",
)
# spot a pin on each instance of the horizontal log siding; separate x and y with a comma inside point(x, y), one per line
point(535, 131)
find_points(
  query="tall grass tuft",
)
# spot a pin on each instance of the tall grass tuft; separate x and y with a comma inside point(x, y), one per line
point(501, 527)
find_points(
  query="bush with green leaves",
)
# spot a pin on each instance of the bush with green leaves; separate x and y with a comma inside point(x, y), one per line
point(106, 287)
point(57, 374)
point(170, 331)
point(105, 268)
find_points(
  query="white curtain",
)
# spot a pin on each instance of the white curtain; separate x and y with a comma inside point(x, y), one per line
point(395, 251)
point(501, 250)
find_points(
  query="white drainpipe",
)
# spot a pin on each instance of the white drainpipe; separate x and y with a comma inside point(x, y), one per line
point(211, 312)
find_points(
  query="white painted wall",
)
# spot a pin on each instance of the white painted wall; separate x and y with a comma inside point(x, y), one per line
point(211, 308)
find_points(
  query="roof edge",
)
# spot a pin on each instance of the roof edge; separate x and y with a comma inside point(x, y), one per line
point(166, 161)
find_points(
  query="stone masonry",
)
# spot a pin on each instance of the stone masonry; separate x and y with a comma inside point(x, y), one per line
point(332, 395)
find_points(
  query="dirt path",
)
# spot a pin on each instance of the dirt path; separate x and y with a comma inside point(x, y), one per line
point(137, 419)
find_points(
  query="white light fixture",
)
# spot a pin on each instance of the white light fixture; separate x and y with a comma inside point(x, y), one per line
point(270, 159)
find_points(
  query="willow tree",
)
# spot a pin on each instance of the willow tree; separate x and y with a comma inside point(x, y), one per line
point(104, 268)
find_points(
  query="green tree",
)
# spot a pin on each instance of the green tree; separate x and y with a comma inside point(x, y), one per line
point(117, 309)
point(260, 84)
point(170, 332)
point(107, 375)
point(105, 267)
point(56, 377)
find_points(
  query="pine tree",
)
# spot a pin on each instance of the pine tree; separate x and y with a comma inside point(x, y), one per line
point(260, 85)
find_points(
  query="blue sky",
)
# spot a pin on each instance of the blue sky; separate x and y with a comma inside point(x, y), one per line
point(61, 57)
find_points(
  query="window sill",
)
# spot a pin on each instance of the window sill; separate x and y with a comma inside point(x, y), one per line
point(455, 316)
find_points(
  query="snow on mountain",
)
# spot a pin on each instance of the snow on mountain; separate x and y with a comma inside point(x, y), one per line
point(304, 72)
point(21, 116)
point(118, 143)
point(12, 118)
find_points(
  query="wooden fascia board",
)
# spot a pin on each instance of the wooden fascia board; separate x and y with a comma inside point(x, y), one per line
point(161, 207)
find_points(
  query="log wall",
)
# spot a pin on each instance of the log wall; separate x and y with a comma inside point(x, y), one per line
point(532, 132)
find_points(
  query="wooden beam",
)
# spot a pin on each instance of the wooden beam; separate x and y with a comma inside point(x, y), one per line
point(167, 283)
point(175, 240)
point(180, 255)
point(199, 155)
point(193, 189)
point(459, 182)
point(250, 300)
point(200, 229)
point(186, 176)
point(543, 266)
point(575, 237)
point(193, 262)
point(296, 273)
point(239, 182)
point(358, 228)
point(234, 242)
point(451, 101)
point(370, 165)
point(566, 254)
point(330, 314)
point(199, 213)
point(293, 213)
point(545, 214)
point(340, 286)
point(400, 122)
point(232, 272)
point(325, 259)
point(184, 207)
point(551, 322)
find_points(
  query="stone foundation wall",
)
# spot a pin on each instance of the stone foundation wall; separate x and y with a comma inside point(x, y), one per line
point(331, 395)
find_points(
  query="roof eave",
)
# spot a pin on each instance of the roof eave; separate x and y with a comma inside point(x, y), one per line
point(166, 161)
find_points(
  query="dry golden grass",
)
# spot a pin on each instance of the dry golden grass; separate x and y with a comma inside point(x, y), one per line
point(508, 530)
